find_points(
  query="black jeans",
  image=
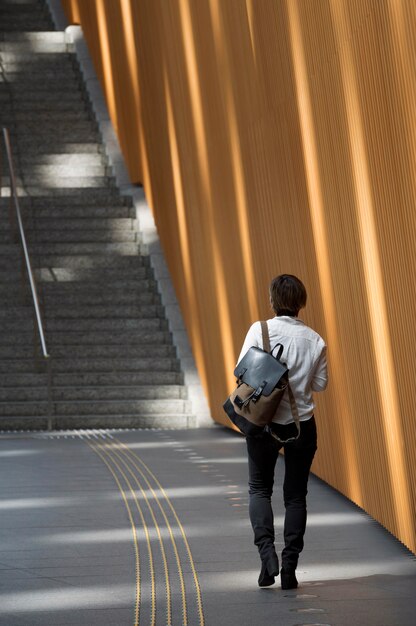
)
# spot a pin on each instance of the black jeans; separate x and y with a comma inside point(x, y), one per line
point(262, 456)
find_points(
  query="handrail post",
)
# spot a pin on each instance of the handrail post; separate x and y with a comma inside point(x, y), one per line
point(51, 412)
point(12, 220)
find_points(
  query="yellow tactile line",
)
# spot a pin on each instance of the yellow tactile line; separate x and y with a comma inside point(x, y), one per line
point(133, 528)
point(156, 525)
point(191, 561)
point(148, 541)
point(128, 454)
point(145, 528)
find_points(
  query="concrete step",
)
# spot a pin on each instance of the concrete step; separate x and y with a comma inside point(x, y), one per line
point(14, 3)
point(141, 392)
point(70, 422)
point(9, 249)
point(14, 62)
point(23, 394)
point(33, 129)
point(110, 205)
point(25, 60)
point(109, 407)
point(33, 408)
point(65, 339)
point(15, 294)
point(44, 138)
point(18, 7)
point(112, 312)
point(62, 160)
point(41, 145)
point(134, 289)
point(49, 91)
point(80, 325)
point(114, 379)
point(45, 253)
point(100, 311)
point(87, 262)
point(15, 367)
point(43, 172)
point(102, 297)
point(81, 277)
point(58, 210)
point(92, 365)
point(25, 84)
point(34, 43)
point(41, 97)
point(15, 312)
point(24, 15)
point(85, 197)
point(29, 66)
point(79, 225)
point(24, 380)
point(61, 116)
point(64, 352)
point(12, 6)
point(55, 184)
point(58, 237)
point(153, 420)
point(32, 152)
point(116, 278)
point(124, 249)
point(48, 36)
point(46, 147)
point(11, 26)
point(25, 11)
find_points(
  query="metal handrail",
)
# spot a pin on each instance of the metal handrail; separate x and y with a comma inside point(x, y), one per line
point(15, 197)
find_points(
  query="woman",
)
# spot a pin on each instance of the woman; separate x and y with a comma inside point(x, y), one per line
point(305, 355)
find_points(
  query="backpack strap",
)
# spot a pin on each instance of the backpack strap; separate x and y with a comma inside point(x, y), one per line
point(265, 335)
point(295, 416)
point(294, 408)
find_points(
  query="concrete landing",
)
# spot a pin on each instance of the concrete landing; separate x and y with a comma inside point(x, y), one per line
point(151, 527)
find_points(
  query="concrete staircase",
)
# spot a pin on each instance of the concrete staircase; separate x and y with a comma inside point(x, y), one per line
point(113, 361)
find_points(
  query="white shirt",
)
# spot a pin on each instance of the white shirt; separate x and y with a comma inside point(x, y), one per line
point(304, 351)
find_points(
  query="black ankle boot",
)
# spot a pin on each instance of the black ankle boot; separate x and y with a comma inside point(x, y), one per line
point(269, 569)
point(288, 579)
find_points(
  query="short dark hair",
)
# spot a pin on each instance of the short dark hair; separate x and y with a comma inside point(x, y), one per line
point(287, 294)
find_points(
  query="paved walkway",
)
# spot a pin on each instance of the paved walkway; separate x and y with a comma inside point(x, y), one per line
point(151, 528)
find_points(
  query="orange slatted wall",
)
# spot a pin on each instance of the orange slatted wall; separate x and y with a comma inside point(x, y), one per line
point(280, 136)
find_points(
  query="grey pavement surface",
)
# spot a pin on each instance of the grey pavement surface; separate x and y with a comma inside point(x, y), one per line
point(151, 527)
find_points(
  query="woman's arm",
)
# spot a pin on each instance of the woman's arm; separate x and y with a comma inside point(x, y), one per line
point(320, 376)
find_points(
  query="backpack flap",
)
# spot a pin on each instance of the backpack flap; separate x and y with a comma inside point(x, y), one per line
point(261, 371)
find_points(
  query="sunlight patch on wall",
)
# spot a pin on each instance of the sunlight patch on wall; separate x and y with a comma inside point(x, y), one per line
point(184, 238)
point(222, 303)
point(106, 61)
point(391, 419)
point(243, 221)
point(322, 257)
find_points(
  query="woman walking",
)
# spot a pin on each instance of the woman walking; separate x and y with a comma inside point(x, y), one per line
point(305, 355)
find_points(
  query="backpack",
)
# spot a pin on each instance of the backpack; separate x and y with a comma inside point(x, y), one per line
point(262, 381)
